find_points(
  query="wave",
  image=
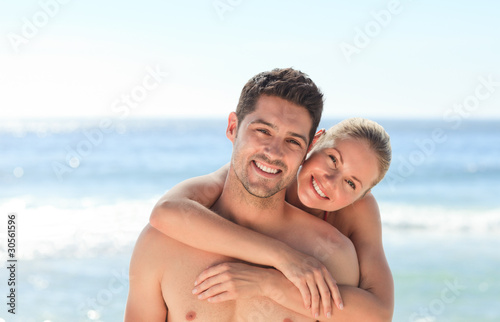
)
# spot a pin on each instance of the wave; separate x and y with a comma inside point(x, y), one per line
point(92, 231)
point(89, 229)
point(439, 219)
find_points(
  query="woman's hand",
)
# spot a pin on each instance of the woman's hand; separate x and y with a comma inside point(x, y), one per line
point(313, 280)
point(230, 281)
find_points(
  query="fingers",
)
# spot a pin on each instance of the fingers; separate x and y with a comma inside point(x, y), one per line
point(216, 293)
point(316, 286)
point(226, 296)
point(211, 285)
point(208, 281)
point(315, 298)
point(334, 290)
point(210, 272)
point(304, 291)
point(323, 291)
point(325, 295)
point(227, 281)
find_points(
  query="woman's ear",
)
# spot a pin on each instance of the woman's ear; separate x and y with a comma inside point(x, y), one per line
point(316, 138)
point(232, 126)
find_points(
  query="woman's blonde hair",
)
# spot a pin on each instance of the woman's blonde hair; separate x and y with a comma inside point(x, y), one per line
point(361, 129)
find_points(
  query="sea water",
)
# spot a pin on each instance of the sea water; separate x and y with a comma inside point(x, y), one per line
point(82, 190)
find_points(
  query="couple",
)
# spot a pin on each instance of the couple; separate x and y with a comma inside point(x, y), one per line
point(273, 236)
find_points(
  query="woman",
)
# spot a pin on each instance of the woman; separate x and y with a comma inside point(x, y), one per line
point(334, 183)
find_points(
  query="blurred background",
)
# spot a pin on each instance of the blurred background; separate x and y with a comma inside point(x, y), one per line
point(105, 106)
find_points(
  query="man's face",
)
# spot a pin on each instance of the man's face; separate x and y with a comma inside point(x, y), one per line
point(269, 145)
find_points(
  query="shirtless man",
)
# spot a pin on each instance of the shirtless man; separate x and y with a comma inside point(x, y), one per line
point(275, 121)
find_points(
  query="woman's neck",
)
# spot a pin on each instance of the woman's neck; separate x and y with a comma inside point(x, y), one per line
point(292, 198)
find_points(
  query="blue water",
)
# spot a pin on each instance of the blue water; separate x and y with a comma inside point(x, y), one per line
point(83, 193)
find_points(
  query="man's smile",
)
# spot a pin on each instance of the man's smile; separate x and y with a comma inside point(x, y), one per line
point(266, 168)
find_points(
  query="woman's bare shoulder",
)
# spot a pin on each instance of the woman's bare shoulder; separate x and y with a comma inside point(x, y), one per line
point(366, 207)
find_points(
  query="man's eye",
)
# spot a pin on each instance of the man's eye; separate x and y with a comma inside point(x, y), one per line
point(353, 186)
point(295, 142)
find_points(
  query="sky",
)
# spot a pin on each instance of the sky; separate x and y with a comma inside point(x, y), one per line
point(126, 59)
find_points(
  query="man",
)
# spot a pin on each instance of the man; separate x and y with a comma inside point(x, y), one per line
point(276, 118)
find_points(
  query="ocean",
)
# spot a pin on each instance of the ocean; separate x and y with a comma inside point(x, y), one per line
point(81, 191)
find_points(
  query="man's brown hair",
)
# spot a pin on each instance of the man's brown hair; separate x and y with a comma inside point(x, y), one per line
point(287, 83)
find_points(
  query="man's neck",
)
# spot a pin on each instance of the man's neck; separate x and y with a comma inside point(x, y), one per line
point(239, 206)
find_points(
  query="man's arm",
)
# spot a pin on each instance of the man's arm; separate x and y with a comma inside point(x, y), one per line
point(145, 301)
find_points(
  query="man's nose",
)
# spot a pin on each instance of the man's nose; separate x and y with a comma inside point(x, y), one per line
point(274, 148)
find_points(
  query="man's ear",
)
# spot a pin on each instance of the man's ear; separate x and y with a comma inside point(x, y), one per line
point(232, 126)
point(316, 138)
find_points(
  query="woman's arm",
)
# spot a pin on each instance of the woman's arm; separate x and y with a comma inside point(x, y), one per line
point(373, 300)
point(231, 281)
point(374, 297)
point(183, 214)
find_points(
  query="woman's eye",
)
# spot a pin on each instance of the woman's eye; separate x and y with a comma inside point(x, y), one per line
point(353, 186)
point(334, 159)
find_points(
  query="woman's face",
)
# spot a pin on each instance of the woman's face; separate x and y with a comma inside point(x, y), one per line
point(334, 177)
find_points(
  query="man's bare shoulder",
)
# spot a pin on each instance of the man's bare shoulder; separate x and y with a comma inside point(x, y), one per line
point(310, 225)
point(150, 244)
point(151, 237)
point(316, 237)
